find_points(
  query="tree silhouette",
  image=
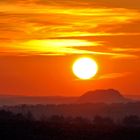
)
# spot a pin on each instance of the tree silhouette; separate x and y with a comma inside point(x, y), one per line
point(24, 127)
point(132, 121)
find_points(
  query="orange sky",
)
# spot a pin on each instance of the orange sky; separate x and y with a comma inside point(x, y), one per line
point(40, 40)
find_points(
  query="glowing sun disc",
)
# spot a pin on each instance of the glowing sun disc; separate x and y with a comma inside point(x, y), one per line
point(85, 68)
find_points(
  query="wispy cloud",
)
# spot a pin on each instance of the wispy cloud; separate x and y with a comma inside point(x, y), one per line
point(58, 47)
point(126, 49)
point(62, 27)
point(114, 75)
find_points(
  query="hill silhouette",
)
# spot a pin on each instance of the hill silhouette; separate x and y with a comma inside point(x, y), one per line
point(103, 96)
point(97, 96)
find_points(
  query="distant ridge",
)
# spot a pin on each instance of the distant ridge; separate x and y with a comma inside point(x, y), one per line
point(104, 96)
point(97, 96)
point(33, 100)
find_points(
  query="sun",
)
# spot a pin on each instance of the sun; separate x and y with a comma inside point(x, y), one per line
point(85, 68)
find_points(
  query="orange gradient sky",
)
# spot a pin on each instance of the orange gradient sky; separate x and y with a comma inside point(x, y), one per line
point(40, 40)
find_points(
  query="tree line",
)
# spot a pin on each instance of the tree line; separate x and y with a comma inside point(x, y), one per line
point(26, 127)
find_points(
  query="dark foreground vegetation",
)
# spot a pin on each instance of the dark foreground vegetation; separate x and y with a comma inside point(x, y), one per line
point(25, 127)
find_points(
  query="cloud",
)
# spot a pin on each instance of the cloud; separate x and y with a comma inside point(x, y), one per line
point(58, 47)
point(121, 3)
point(126, 49)
point(114, 75)
point(115, 3)
point(62, 27)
